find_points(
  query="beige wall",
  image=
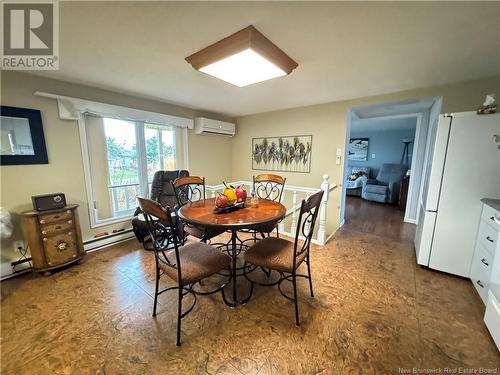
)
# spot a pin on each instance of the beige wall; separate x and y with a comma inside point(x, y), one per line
point(64, 173)
point(327, 124)
point(217, 158)
point(210, 156)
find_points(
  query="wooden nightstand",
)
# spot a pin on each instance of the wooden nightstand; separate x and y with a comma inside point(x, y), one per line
point(54, 237)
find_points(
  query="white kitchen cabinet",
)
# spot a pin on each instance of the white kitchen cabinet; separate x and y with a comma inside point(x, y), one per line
point(485, 268)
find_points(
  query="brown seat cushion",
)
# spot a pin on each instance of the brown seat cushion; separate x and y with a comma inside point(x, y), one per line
point(202, 232)
point(274, 253)
point(198, 260)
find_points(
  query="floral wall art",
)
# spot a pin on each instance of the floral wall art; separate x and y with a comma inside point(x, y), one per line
point(287, 154)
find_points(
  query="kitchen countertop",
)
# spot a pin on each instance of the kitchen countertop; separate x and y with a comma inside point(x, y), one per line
point(493, 203)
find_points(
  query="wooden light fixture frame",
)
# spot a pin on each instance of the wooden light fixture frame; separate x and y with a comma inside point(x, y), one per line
point(247, 38)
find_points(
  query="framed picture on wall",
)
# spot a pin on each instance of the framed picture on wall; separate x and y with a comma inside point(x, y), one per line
point(21, 137)
point(358, 149)
point(285, 154)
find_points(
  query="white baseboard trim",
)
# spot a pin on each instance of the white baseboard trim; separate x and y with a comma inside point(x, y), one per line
point(314, 241)
point(105, 241)
point(6, 270)
point(89, 246)
point(340, 224)
point(290, 235)
point(329, 237)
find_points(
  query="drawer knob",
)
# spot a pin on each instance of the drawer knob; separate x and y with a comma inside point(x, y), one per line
point(478, 282)
point(61, 246)
point(70, 233)
point(45, 239)
point(485, 262)
point(68, 211)
point(49, 263)
point(490, 239)
point(44, 232)
point(70, 221)
point(42, 221)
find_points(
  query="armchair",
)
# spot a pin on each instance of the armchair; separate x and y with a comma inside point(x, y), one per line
point(385, 188)
point(161, 192)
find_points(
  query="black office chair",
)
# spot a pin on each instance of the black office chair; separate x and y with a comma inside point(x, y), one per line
point(161, 192)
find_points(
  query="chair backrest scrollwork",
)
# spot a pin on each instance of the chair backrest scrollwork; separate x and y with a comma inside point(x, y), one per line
point(163, 233)
point(309, 210)
point(189, 189)
point(269, 186)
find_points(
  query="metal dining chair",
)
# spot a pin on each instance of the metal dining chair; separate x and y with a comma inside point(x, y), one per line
point(286, 256)
point(186, 265)
point(269, 186)
point(189, 189)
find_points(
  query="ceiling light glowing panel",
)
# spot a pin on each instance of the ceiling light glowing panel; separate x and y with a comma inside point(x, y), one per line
point(243, 69)
point(243, 58)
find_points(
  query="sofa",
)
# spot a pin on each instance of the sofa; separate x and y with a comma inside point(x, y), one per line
point(354, 187)
point(385, 188)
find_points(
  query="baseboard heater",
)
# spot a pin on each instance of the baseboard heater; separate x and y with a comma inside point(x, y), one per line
point(24, 265)
point(107, 240)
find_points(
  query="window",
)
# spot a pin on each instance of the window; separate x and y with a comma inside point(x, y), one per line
point(121, 158)
point(160, 149)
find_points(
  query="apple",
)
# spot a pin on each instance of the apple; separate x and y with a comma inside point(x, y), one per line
point(221, 201)
point(241, 194)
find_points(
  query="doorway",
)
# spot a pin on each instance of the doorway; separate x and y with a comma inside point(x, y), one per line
point(384, 140)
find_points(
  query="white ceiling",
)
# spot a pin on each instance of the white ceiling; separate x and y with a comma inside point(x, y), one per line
point(344, 50)
point(394, 108)
point(386, 124)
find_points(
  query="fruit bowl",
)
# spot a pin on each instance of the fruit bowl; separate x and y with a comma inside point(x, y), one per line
point(230, 199)
point(229, 208)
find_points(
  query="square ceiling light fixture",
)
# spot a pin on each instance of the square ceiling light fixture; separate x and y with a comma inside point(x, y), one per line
point(243, 58)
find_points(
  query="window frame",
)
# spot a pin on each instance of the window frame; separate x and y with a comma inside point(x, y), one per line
point(181, 161)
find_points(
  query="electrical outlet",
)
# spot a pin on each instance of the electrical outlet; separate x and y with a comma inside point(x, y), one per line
point(18, 246)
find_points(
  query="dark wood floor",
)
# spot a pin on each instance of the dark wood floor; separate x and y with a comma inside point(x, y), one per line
point(377, 218)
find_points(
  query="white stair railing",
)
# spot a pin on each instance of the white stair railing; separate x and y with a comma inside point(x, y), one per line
point(325, 186)
point(292, 205)
point(293, 227)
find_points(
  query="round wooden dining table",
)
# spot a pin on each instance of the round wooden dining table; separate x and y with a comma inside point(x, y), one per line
point(251, 217)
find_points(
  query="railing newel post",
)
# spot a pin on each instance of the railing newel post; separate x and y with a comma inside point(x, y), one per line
point(325, 186)
point(293, 227)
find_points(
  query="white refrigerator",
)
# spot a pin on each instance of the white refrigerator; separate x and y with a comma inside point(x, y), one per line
point(462, 166)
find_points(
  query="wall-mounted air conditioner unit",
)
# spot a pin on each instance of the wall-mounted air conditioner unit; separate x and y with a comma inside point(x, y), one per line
point(208, 126)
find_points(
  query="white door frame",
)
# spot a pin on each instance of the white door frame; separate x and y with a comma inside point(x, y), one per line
point(419, 137)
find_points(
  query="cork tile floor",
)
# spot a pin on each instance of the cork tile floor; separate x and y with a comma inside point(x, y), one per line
point(374, 312)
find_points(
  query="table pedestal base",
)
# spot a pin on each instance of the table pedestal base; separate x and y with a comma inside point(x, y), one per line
point(236, 247)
